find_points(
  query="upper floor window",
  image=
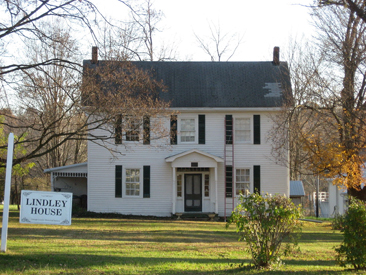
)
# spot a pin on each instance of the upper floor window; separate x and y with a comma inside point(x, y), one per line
point(187, 130)
point(133, 128)
point(242, 130)
point(242, 181)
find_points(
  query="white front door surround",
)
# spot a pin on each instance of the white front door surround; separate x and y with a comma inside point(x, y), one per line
point(194, 160)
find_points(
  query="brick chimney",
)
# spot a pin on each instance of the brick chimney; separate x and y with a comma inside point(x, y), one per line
point(276, 56)
point(94, 55)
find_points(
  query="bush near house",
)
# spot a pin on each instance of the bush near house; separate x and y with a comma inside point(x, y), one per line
point(338, 222)
point(353, 248)
point(264, 222)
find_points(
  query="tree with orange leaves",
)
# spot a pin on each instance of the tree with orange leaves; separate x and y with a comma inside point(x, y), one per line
point(326, 121)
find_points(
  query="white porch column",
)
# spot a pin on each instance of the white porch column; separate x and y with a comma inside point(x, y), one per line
point(216, 193)
point(174, 197)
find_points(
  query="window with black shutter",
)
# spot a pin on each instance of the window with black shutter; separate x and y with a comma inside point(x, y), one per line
point(229, 181)
point(201, 129)
point(173, 129)
point(257, 178)
point(146, 182)
point(118, 130)
point(229, 129)
point(257, 129)
point(118, 181)
point(146, 130)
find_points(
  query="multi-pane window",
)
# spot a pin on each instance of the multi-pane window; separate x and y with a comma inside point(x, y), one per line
point(179, 186)
point(133, 128)
point(242, 181)
point(132, 182)
point(207, 185)
point(242, 129)
point(187, 130)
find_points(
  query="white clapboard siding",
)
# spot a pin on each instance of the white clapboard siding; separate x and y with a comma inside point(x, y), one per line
point(101, 168)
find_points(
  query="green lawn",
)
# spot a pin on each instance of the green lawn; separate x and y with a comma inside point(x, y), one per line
point(136, 246)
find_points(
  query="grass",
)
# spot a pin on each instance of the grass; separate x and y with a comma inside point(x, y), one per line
point(135, 246)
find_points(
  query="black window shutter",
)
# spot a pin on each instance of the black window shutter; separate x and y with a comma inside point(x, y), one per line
point(118, 183)
point(229, 181)
point(146, 181)
point(229, 129)
point(146, 130)
point(173, 129)
point(257, 178)
point(257, 129)
point(201, 129)
point(118, 130)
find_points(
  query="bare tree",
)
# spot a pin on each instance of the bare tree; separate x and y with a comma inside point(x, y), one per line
point(22, 23)
point(44, 93)
point(21, 20)
point(327, 121)
point(51, 112)
point(118, 42)
point(143, 41)
point(135, 37)
point(353, 6)
point(218, 44)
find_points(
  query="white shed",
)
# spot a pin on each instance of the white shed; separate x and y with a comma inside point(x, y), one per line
point(70, 178)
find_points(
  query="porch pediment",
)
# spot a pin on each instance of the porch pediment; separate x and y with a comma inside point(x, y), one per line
point(199, 158)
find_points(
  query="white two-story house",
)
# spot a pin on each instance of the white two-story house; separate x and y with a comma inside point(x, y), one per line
point(218, 147)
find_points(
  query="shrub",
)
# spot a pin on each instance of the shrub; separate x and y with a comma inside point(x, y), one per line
point(353, 248)
point(337, 223)
point(264, 222)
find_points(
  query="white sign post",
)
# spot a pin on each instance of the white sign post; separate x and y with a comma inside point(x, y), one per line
point(9, 165)
point(45, 207)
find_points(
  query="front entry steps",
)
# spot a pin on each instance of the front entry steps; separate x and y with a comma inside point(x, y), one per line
point(196, 216)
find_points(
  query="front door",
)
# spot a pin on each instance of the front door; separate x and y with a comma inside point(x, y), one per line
point(193, 192)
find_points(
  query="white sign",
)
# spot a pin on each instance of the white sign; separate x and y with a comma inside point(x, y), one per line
point(45, 207)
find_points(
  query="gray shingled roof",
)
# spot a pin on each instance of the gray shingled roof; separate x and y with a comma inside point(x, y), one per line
point(220, 84)
point(296, 188)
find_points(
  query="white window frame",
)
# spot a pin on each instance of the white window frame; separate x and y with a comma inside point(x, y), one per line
point(180, 118)
point(250, 118)
point(249, 182)
point(125, 182)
